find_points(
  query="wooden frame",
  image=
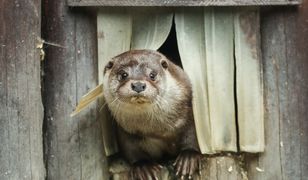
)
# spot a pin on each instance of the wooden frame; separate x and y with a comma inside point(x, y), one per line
point(181, 2)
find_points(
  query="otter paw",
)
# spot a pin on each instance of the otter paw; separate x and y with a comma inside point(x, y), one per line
point(187, 163)
point(146, 171)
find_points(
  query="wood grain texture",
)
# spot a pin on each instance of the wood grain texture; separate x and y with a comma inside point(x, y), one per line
point(180, 3)
point(284, 47)
point(223, 167)
point(74, 148)
point(249, 80)
point(21, 108)
point(300, 72)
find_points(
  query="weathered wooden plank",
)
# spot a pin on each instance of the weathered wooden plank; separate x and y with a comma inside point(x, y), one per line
point(285, 76)
point(74, 148)
point(290, 119)
point(223, 167)
point(249, 83)
point(180, 3)
point(301, 79)
point(219, 34)
point(273, 39)
point(21, 109)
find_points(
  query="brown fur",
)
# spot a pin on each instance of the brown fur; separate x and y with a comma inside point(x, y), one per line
point(157, 121)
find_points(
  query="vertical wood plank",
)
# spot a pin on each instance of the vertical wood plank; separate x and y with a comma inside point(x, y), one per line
point(249, 83)
point(273, 43)
point(219, 35)
point(21, 109)
point(300, 34)
point(191, 43)
point(74, 148)
point(90, 136)
point(284, 47)
point(290, 108)
point(114, 31)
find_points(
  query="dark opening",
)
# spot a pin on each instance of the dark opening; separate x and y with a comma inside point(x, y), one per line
point(170, 47)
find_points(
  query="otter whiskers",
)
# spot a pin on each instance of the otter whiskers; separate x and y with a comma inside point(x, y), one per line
point(106, 104)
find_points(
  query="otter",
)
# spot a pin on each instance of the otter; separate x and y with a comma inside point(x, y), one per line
point(150, 99)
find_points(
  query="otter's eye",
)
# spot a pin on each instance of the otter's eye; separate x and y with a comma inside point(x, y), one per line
point(153, 76)
point(122, 75)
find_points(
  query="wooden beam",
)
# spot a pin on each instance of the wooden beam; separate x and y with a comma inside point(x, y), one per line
point(74, 145)
point(21, 108)
point(284, 49)
point(181, 3)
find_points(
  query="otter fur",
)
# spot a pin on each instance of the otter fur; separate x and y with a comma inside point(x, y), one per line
point(150, 98)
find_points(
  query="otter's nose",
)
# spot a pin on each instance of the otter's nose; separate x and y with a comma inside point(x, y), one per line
point(138, 86)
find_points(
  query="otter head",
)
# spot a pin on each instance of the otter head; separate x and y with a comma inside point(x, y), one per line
point(135, 78)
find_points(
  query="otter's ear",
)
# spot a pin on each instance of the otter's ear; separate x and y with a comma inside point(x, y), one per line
point(164, 64)
point(108, 66)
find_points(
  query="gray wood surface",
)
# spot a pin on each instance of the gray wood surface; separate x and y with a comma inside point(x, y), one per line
point(21, 108)
point(223, 167)
point(284, 47)
point(74, 146)
point(180, 3)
